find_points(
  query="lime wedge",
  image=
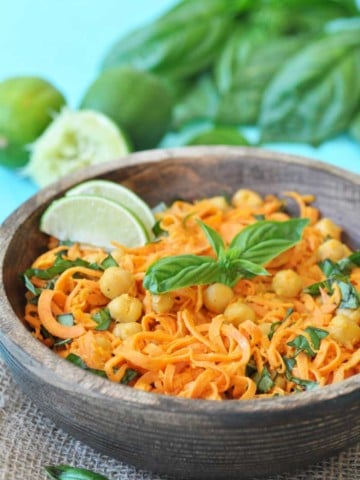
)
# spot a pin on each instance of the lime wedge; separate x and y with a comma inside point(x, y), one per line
point(120, 194)
point(93, 220)
point(74, 140)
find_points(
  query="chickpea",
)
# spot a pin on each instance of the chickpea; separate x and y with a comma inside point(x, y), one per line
point(238, 312)
point(115, 281)
point(344, 330)
point(328, 228)
point(125, 308)
point(265, 327)
point(162, 303)
point(217, 297)
point(332, 249)
point(354, 315)
point(220, 203)
point(246, 198)
point(126, 330)
point(287, 283)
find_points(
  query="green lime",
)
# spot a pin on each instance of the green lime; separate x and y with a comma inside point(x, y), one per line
point(120, 194)
point(93, 220)
point(74, 140)
point(139, 102)
point(27, 105)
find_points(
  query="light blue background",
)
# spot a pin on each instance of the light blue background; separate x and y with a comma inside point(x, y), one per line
point(65, 40)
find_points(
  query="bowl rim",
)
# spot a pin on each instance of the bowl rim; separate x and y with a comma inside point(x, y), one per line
point(15, 337)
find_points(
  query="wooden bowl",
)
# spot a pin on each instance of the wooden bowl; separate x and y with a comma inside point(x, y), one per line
point(191, 439)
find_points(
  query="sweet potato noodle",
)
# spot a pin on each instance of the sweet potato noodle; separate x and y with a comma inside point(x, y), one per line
point(277, 335)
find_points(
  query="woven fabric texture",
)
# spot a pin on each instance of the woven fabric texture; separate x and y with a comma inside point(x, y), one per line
point(29, 441)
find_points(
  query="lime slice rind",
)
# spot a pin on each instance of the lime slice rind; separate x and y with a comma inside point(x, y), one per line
point(120, 194)
point(93, 220)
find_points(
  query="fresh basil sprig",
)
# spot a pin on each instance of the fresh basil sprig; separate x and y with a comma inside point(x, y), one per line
point(250, 249)
point(67, 472)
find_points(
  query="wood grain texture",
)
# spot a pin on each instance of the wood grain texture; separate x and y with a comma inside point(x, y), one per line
point(192, 439)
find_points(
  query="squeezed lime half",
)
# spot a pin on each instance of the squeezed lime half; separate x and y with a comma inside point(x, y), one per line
point(75, 140)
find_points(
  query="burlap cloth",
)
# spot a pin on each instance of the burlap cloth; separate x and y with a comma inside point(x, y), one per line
point(29, 440)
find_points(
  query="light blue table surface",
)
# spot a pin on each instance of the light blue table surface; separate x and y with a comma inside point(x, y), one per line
point(65, 40)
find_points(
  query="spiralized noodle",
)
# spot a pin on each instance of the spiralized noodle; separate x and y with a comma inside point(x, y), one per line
point(188, 350)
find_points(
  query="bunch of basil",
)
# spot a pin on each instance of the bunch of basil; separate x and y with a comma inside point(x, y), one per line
point(292, 67)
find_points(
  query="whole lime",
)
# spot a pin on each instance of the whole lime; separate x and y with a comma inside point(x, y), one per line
point(26, 108)
point(138, 102)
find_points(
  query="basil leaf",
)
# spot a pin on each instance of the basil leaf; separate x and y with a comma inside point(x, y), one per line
point(316, 335)
point(245, 67)
point(200, 102)
point(316, 92)
point(264, 382)
point(273, 328)
point(289, 365)
point(307, 384)
point(60, 265)
point(247, 269)
point(349, 295)
point(102, 318)
point(109, 261)
point(355, 127)
point(129, 375)
point(61, 343)
point(79, 362)
point(158, 231)
point(218, 136)
point(302, 344)
point(171, 273)
point(67, 472)
point(66, 319)
point(265, 240)
point(215, 240)
point(30, 286)
point(180, 44)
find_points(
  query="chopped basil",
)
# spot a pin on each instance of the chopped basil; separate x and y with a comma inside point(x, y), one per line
point(109, 261)
point(251, 368)
point(338, 273)
point(289, 365)
point(102, 318)
point(129, 375)
point(259, 217)
point(30, 286)
point(66, 319)
point(61, 343)
point(264, 382)
point(273, 328)
point(302, 344)
point(76, 360)
point(158, 231)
